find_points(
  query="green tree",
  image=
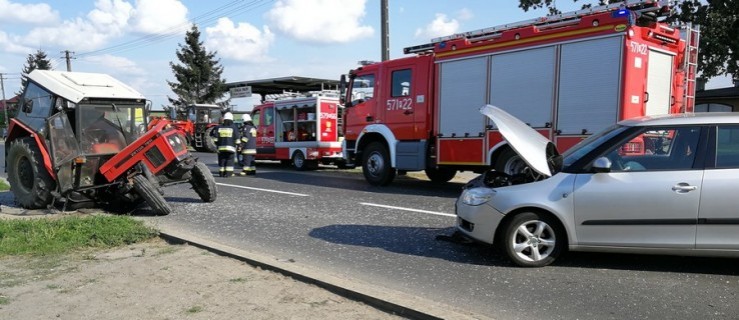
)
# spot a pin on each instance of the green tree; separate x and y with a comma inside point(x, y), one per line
point(719, 20)
point(198, 77)
point(34, 61)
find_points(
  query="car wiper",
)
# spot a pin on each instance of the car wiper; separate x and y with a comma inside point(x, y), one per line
point(120, 125)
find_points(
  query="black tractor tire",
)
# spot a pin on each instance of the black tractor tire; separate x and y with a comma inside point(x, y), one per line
point(151, 195)
point(376, 165)
point(208, 144)
point(29, 181)
point(203, 183)
point(440, 175)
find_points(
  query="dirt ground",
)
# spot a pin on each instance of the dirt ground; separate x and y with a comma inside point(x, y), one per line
point(157, 280)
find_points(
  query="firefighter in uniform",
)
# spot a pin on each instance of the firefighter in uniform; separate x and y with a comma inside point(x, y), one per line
point(226, 136)
point(248, 146)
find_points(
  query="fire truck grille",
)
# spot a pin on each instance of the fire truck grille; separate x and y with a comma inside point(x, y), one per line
point(155, 157)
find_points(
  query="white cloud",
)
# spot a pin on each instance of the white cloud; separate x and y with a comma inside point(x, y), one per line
point(40, 13)
point(157, 16)
point(243, 42)
point(320, 21)
point(441, 26)
point(116, 64)
point(465, 14)
point(10, 44)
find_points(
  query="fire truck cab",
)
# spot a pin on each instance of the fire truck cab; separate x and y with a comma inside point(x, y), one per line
point(567, 76)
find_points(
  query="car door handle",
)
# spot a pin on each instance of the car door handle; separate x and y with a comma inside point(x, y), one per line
point(407, 112)
point(683, 188)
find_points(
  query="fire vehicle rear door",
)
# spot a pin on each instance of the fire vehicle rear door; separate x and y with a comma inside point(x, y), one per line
point(64, 149)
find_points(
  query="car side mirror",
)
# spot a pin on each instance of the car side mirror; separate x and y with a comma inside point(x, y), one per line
point(602, 164)
point(27, 106)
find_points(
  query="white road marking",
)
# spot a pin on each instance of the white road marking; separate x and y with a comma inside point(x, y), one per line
point(408, 209)
point(265, 190)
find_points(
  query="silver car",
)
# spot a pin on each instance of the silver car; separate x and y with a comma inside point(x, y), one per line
point(657, 185)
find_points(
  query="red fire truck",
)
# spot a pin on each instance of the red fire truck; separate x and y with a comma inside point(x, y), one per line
point(567, 75)
point(302, 129)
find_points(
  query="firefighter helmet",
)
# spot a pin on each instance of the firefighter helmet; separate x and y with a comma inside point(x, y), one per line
point(246, 117)
point(228, 116)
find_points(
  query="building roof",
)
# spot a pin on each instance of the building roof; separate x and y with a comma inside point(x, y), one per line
point(730, 92)
point(286, 84)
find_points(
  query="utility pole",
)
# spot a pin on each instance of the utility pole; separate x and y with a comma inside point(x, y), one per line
point(68, 57)
point(5, 102)
point(385, 31)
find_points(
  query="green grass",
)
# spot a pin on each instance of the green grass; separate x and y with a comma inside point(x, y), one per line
point(4, 186)
point(58, 236)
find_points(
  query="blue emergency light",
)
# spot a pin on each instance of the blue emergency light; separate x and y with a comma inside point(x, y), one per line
point(620, 13)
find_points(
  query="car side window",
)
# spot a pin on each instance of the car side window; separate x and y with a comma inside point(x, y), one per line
point(401, 83)
point(656, 149)
point(727, 147)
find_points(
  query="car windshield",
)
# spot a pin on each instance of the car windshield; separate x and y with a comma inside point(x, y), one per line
point(109, 127)
point(584, 147)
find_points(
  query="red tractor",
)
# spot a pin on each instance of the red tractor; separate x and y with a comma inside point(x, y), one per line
point(196, 122)
point(81, 139)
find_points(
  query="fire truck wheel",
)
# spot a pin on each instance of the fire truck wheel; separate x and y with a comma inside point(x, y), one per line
point(301, 164)
point(30, 182)
point(376, 165)
point(509, 162)
point(151, 195)
point(203, 183)
point(208, 144)
point(440, 175)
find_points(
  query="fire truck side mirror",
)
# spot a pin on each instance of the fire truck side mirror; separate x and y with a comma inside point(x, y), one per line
point(342, 89)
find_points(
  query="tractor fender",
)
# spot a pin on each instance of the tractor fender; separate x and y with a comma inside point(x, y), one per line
point(19, 130)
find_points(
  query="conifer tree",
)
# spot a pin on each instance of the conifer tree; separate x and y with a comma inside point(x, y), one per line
point(198, 76)
point(34, 61)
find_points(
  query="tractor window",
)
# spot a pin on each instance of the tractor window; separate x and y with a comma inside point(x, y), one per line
point(40, 101)
point(105, 129)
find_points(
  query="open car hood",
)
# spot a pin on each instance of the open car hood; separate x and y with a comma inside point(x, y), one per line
point(535, 149)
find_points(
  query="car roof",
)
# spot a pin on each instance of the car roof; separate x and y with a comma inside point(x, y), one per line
point(684, 119)
point(75, 86)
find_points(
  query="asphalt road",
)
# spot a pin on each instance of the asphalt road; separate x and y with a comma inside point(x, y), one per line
point(334, 221)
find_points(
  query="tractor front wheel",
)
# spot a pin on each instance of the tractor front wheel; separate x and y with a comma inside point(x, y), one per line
point(30, 182)
point(151, 195)
point(203, 183)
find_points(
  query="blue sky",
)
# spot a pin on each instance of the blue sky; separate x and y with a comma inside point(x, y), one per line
point(134, 40)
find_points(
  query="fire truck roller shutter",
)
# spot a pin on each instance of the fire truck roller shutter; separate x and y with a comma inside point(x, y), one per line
point(522, 83)
point(462, 90)
point(589, 85)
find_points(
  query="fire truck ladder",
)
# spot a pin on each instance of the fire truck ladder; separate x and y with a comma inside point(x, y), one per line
point(690, 67)
point(650, 8)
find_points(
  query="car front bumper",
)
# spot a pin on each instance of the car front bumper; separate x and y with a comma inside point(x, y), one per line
point(477, 222)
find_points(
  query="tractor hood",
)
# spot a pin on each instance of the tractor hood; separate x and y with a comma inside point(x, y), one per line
point(536, 150)
point(75, 86)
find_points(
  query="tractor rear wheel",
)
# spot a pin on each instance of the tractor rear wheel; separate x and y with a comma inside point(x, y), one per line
point(203, 183)
point(151, 195)
point(208, 144)
point(30, 182)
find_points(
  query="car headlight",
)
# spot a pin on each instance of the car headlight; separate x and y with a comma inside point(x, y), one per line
point(477, 196)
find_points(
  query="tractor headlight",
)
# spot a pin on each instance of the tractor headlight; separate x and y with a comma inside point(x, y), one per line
point(477, 196)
